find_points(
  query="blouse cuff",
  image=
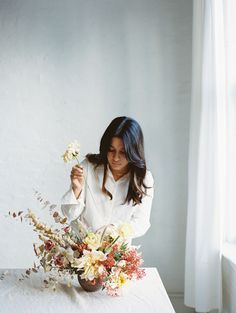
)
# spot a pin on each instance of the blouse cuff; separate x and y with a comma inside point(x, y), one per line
point(139, 230)
point(70, 206)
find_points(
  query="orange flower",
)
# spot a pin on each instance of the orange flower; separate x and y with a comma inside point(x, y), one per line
point(81, 247)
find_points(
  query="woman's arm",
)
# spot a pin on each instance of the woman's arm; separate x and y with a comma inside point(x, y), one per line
point(72, 204)
point(140, 219)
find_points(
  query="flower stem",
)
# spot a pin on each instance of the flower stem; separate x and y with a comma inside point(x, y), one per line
point(77, 161)
point(111, 244)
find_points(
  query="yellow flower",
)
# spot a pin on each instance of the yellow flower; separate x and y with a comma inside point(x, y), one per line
point(93, 241)
point(125, 231)
point(121, 279)
point(118, 279)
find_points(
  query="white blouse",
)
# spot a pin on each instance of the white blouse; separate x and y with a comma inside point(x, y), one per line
point(96, 209)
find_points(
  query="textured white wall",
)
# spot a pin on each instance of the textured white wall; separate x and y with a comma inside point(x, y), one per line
point(67, 69)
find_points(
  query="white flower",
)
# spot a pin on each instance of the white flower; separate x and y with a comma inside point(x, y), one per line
point(90, 258)
point(125, 231)
point(117, 279)
point(89, 262)
point(72, 151)
point(111, 230)
point(93, 241)
point(92, 272)
point(121, 263)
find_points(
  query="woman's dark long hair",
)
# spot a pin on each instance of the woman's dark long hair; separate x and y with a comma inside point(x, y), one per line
point(131, 134)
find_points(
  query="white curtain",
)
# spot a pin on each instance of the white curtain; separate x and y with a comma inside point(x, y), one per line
point(230, 39)
point(207, 159)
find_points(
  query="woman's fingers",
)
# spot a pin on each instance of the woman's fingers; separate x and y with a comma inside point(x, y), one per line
point(77, 167)
point(77, 171)
point(76, 175)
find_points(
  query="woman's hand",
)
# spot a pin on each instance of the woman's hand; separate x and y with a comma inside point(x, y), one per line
point(77, 179)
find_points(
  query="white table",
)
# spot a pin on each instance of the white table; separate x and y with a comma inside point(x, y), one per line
point(144, 296)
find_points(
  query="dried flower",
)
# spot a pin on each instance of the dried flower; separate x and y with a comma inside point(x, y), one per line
point(49, 244)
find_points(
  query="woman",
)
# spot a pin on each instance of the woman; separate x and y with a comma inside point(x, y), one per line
point(113, 186)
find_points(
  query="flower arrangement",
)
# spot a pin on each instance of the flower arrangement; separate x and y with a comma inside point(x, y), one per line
point(101, 259)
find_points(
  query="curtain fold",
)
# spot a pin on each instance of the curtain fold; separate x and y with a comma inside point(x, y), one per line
point(206, 176)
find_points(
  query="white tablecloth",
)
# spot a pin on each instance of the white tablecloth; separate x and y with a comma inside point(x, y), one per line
point(144, 296)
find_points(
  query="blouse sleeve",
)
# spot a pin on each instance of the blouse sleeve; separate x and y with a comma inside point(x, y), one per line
point(70, 206)
point(140, 219)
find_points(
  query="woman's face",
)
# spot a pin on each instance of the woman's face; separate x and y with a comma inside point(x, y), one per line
point(116, 155)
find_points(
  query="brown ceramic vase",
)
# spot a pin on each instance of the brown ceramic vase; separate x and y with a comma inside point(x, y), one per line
point(88, 285)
